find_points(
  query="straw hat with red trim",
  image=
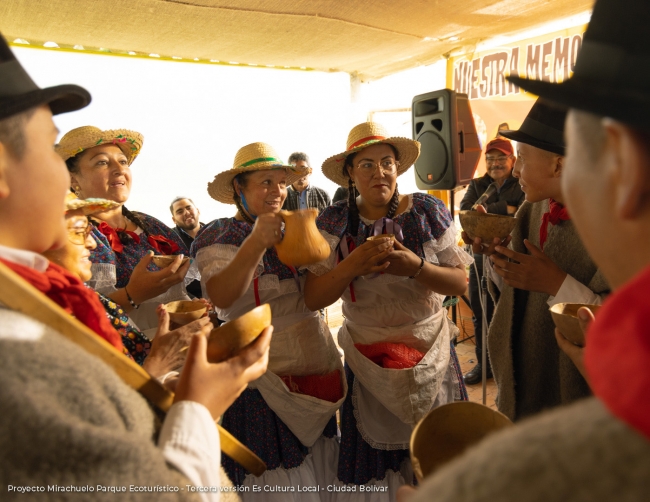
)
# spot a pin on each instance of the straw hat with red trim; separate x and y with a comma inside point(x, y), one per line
point(365, 135)
point(82, 138)
point(253, 157)
point(88, 206)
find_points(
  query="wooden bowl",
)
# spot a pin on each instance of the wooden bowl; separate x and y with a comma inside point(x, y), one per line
point(164, 261)
point(565, 317)
point(381, 236)
point(486, 226)
point(184, 312)
point(229, 338)
point(447, 431)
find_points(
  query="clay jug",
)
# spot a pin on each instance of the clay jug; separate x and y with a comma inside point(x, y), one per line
point(302, 243)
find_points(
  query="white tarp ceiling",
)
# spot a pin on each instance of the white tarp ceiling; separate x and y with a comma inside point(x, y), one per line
point(370, 38)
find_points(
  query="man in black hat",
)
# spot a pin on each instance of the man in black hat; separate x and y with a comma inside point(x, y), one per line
point(544, 265)
point(68, 423)
point(598, 448)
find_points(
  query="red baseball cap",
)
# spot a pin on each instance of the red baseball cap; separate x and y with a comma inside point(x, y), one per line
point(503, 145)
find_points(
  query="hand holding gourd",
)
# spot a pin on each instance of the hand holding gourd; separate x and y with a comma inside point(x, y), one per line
point(267, 231)
point(369, 257)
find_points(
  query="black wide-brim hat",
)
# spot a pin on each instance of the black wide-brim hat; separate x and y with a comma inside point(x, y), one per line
point(612, 72)
point(542, 128)
point(19, 93)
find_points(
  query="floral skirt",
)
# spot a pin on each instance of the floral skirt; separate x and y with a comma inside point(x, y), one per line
point(359, 462)
point(251, 421)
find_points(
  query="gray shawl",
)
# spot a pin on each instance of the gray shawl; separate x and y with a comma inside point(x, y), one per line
point(66, 419)
point(531, 372)
point(580, 453)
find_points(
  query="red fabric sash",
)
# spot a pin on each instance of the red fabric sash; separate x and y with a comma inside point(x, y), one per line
point(556, 214)
point(395, 356)
point(67, 291)
point(325, 387)
point(617, 353)
point(162, 245)
point(114, 238)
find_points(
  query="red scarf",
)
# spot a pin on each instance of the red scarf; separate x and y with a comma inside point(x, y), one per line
point(617, 354)
point(114, 238)
point(161, 244)
point(556, 214)
point(67, 291)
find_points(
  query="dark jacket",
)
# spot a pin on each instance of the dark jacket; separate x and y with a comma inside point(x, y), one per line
point(509, 195)
point(342, 193)
point(194, 287)
point(187, 238)
point(316, 198)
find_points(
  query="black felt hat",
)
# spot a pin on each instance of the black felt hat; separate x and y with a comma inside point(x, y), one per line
point(612, 73)
point(19, 93)
point(543, 127)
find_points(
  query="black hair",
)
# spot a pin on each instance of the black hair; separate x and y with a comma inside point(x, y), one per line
point(298, 156)
point(180, 197)
point(242, 181)
point(353, 210)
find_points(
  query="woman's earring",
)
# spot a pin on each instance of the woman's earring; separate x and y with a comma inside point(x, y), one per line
point(77, 191)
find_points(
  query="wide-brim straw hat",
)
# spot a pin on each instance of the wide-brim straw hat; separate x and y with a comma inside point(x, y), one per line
point(82, 138)
point(88, 206)
point(253, 157)
point(612, 70)
point(365, 135)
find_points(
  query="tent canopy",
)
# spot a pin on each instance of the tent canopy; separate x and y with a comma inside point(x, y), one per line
point(369, 38)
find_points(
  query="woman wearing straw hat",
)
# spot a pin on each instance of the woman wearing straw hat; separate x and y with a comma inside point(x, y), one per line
point(159, 357)
point(99, 164)
point(286, 416)
point(396, 335)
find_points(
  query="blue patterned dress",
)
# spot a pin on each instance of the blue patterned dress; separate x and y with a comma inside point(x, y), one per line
point(384, 307)
point(112, 270)
point(291, 460)
point(136, 345)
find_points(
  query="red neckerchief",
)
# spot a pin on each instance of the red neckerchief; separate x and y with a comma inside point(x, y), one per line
point(67, 291)
point(617, 354)
point(557, 213)
point(162, 245)
point(114, 238)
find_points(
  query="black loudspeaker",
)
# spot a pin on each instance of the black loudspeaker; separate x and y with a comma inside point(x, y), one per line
point(450, 151)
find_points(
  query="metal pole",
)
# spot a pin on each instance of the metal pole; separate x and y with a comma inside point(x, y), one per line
point(484, 331)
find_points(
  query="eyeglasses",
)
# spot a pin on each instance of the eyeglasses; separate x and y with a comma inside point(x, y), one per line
point(367, 169)
point(78, 235)
point(501, 159)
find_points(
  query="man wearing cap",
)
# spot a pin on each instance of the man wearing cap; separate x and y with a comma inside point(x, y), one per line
point(66, 419)
point(598, 448)
point(301, 195)
point(499, 160)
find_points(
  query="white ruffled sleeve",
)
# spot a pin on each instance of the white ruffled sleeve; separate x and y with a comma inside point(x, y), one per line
point(104, 278)
point(322, 267)
point(213, 259)
point(445, 250)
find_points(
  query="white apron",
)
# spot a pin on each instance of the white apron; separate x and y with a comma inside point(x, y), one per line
point(301, 345)
point(389, 402)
